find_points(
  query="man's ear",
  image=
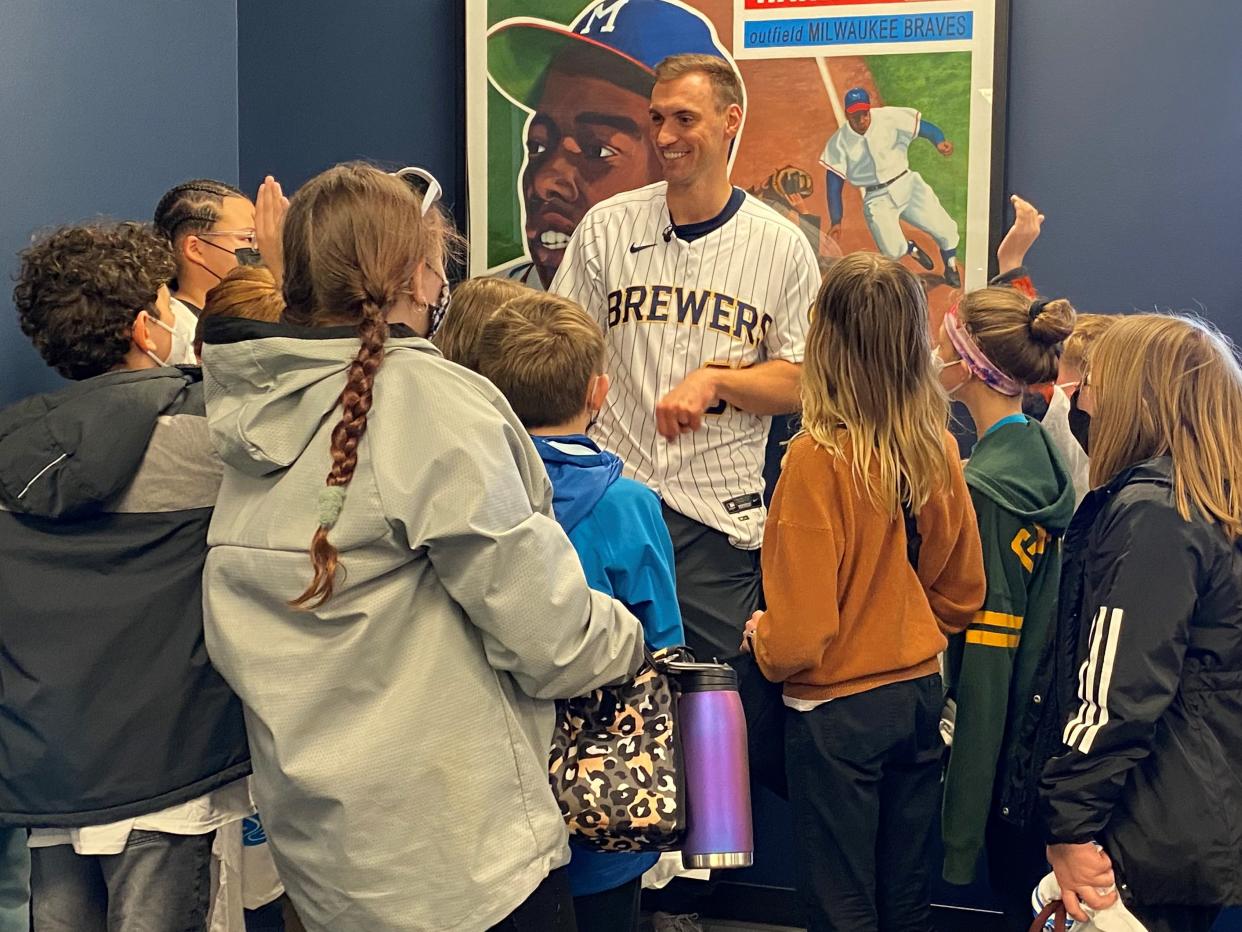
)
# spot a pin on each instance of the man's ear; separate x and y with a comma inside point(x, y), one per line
point(733, 121)
point(140, 333)
point(191, 249)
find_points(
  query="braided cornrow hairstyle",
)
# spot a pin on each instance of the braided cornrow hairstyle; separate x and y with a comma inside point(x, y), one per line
point(353, 239)
point(191, 207)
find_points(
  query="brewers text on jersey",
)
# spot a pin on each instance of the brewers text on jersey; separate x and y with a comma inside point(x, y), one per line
point(689, 307)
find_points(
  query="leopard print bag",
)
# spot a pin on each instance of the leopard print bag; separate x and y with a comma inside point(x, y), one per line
point(616, 762)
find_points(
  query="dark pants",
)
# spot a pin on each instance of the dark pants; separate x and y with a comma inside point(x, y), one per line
point(1176, 918)
point(1016, 865)
point(550, 908)
point(864, 784)
point(718, 588)
point(14, 881)
point(614, 910)
point(159, 883)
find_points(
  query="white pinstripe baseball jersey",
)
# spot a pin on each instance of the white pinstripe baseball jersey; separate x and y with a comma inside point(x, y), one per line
point(735, 296)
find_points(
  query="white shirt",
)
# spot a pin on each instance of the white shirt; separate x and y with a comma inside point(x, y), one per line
point(199, 816)
point(734, 297)
point(879, 155)
point(1056, 423)
point(185, 323)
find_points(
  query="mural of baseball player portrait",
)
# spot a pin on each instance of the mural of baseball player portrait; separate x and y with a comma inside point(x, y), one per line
point(871, 126)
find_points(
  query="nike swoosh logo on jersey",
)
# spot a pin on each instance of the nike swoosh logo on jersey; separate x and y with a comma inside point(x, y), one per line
point(634, 247)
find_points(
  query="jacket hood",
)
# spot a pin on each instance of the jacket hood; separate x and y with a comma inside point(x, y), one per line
point(270, 386)
point(580, 472)
point(63, 454)
point(1019, 467)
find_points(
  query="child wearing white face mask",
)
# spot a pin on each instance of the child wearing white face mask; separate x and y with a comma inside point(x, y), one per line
point(179, 345)
point(1065, 422)
point(124, 749)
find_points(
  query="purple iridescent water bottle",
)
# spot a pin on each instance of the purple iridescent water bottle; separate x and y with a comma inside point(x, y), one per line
point(717, 774)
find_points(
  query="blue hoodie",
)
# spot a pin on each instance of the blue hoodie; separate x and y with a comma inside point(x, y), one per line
point(616, 527)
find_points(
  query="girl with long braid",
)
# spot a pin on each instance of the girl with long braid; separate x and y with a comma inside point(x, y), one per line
point(398, 684)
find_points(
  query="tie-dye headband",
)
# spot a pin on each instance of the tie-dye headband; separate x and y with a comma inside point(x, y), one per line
point(975, 359)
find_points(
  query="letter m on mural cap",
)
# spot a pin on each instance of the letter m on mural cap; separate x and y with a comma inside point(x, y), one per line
point(605, 13)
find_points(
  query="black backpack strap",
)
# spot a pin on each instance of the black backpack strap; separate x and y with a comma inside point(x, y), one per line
point(914, 540)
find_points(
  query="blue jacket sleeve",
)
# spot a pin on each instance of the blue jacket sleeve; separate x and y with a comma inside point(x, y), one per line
point(642, 574)
point(836, 184)
point(931, 132)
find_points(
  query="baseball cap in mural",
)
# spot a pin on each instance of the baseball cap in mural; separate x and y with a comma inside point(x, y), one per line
point(857, 99)
point(640, 32)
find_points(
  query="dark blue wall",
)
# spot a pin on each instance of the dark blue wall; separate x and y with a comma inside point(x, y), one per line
point(1125, 127)
point(321, 82)
point(103, 106)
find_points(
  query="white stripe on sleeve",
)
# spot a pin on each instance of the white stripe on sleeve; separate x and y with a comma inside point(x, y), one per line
point(1094, 680)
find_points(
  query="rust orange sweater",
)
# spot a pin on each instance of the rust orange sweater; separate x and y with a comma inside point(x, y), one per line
point(846, 612)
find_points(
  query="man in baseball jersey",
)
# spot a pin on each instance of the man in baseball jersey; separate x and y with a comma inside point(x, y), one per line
point(703, 294)
point(587, 88)
point(870, 152)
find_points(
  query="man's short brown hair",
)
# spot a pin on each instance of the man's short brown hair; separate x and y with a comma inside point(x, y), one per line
point(542, 351)
point(725, 81)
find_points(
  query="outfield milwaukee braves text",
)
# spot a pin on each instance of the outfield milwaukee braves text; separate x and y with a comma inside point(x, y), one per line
point(861, 30)
point(662, 303)
point(776, 4)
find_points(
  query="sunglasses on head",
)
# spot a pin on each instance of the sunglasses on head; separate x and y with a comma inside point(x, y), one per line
point(423, 183)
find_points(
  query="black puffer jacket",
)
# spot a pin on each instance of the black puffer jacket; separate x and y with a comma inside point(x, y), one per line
point(1150, 676)
point(109, 706)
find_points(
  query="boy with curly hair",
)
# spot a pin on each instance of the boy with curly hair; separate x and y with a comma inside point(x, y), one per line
point(121, 748)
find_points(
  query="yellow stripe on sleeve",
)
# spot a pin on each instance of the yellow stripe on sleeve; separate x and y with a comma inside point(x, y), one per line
point(992, 639)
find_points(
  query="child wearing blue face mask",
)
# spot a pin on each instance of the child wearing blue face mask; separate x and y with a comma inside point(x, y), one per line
point(547, 357)
point(124, 750)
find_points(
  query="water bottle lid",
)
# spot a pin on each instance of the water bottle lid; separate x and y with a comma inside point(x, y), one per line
point(703, 677)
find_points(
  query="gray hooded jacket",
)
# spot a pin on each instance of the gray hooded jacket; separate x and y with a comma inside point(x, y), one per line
point(400, 732)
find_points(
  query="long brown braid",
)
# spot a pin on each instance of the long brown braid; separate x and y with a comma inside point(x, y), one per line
point(354, 238)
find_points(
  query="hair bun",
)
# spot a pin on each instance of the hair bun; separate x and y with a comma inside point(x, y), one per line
point(1052, 321)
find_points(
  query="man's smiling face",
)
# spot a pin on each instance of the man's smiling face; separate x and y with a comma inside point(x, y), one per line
point(691, 129)
point(587, 141)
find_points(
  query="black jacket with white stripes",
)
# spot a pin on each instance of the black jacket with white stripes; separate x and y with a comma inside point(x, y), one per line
point(109, 705)
point(1150, 677)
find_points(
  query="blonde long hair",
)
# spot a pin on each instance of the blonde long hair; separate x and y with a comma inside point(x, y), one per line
point(868, 377)
point(1170, 385)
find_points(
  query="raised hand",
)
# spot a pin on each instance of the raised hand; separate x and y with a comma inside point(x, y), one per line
point(269, 221)
point(1027, 222)
point(945, 148)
